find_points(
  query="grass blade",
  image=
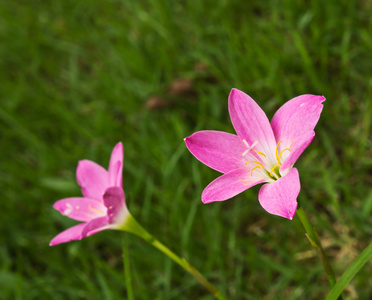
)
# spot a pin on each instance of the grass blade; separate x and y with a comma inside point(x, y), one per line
point(350, 272)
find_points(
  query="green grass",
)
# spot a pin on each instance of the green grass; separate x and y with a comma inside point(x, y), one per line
point(76, 79)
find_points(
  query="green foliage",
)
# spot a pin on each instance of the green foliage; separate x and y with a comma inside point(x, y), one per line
point(350, 272)
point(79, 76)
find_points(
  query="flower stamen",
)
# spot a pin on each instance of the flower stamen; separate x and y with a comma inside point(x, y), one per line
point(253, 169)
point(96, 210)
point(280, 154)
point(254, 162)
point(272, 170)
point(260, 153)
point(276, 152)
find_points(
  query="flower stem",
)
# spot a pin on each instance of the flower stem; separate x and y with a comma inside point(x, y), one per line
point(131, 225)
point(128, 278)
point(313, 237)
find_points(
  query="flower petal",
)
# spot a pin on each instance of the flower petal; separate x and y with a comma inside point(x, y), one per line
point(219, 150)
point(251, 123)
point(92, 178)
point(299, 145)
point(115, 169)
point(114, 200)
point(229, 185)
point(95, 225)
point(280, 197)
point(71, 234)
point(80, 209)
point(296, 117)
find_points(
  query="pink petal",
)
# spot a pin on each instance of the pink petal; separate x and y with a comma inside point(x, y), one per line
point(95, 225)
point(251, 123)
point(92, 178)
point(229, 185)
point(115, 169)
point(80, 209)
point(296, 117)
point(219, 150)
point(299, 145)
point(280, 197)
point(71, 234)
point(114, 200)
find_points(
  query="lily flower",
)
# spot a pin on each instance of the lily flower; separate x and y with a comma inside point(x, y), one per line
point(261, 152)
point(103, 205)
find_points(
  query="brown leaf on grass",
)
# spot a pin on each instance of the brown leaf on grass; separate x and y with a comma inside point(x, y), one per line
point(157, 102)
point(201, 67)
point(180, 87)
point(203, 73)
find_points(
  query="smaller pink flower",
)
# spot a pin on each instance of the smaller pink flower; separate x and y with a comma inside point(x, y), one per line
point(103, 205)
point(260, 152)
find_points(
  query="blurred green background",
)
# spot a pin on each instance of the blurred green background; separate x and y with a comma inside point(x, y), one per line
point(79, 76)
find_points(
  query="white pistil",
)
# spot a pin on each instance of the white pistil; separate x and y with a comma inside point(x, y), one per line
point(249, 147)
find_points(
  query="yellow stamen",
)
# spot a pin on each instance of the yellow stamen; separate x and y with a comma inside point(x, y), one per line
point(276, 152)
point(259, 152)
point(280, 154)
point(95, 210)
point(254, 161)
point(253, 169)
point(272, 170)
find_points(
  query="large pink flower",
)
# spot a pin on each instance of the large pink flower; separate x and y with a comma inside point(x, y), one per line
point(260, 152)
point(103, 205)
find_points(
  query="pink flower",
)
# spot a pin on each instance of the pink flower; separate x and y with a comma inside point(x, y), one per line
point(260, 152)
point(103, 205)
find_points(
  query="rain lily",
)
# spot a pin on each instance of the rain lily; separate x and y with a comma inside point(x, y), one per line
point(103, 205)
point(261, 152)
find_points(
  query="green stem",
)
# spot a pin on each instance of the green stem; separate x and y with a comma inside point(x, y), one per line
point(131, 225)
point(128, 278)
point(312, 236)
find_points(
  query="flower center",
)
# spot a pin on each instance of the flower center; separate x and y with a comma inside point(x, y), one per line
point(278, 155)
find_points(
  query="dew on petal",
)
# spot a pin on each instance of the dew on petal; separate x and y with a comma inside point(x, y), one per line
point(68, 210)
